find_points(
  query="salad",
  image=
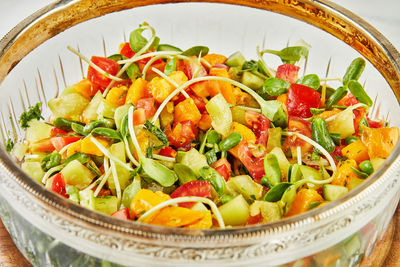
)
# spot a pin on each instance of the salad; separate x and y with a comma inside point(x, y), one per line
point(198, 140)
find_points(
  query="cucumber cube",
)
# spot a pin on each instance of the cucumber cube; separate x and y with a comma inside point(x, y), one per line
point(235, 212)
point(77, 175)
point(332, 192)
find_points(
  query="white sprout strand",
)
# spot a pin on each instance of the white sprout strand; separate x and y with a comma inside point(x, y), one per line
point(133, 135)
point(116, 180)
point(141, 51)
point(316, 145)
point(299, 155)
point(151, 54)
point(104, 177)
point(330, 79)
point(148, 64)
point(200, 79)
point(129, 153)
point(160, 157)
point(106, 164)
point(202, 60)
point(50, 172)
point(90, 187)
point(177, 200)
point(91, 64)
point(356, 106)
point(109, 155)
point(170, 81)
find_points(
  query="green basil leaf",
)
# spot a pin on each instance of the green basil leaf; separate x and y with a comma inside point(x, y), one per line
point(310, 80)
point(196, 51)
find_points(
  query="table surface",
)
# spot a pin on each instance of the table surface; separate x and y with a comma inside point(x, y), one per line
point(382, 14)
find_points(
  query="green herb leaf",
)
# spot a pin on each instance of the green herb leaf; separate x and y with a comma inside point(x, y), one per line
point(276, 192)
point(276, 86)
point(32, 113)
point(196, 51)
point(310, 80)
point(133, 71)
point(290, 54)
point(136, 40)
point(170, 66)
point(149, 152)
point(9, 145)
point(158, 133)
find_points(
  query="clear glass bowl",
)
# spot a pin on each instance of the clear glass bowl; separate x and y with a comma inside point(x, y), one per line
point(35, 65)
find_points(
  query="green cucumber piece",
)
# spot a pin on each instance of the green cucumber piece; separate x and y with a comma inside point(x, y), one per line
point(194, 160)
point(106, 204)
point(269, 211)
point(295, 173)
point(90, 112)
point(246, 186)
point(332, 192)
point(69, 105)
point(235, 60)
point(167, 47)
point(274, 138)
point(119, 115)
point(34, 170)
point(118, 150)
point(86, 199)
point(352, 245)
point(37, 130)
point(77, 175)
point(251, 80)
point(235, 212)
point(354, 182)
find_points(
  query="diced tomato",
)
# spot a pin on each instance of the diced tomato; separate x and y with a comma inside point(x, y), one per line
point(139, 116)
point(288, 72)
point(257, 219)
point(300, 99)
point(182, 134)
point(254, 165)
point(122, 214)
point(106, 64)
point(337, 153)
point(259, 124)
point(198, 101)
point(359, 114)
point(56, 132)
point(104, 192)
point(192, 67)
point(220, 66)
point(43, 145)
point(127, 51)
point(223, 167)
point(375, 124)
point(296, 124)
point(193, 188)
point(348, 100)
point(58, 185)
point(61, 141)
point(148, 105)
point(168, 152)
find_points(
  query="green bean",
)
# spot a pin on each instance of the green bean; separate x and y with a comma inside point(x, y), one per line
point(336, 96)
point(51, 160)
point(225, 199)
point(320, 134)
point(354, 71)
point(336, 138)
point(316, 111)
point(276, 192)
point(185, 173)
point(213, 137)
point(79, 156)
point(366, 166)
point(272, 170)
point(360, 174)
point(170, 66)
point(362, 124)
point(106, 132)
point(359, 93)
point(78, 128)
point(63, 124)
point(211, 156)
point(230, 141)
point(275, 86)
point(91, 125)
point(350, 139)
point(211, 175)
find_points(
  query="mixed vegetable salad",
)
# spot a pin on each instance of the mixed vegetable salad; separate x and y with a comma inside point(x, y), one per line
point(198, 140)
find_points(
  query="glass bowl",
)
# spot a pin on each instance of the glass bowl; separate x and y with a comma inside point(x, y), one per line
point(35, 66)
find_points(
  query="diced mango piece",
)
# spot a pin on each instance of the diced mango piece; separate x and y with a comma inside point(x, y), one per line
point(357, 151)
point(88, 147)
point(201, 89)
point(380, 141)
point(84, 87)
point(160, 88)
point(179, 77)
point(205, 122)
point(204, 223)
point(302, 200)
point(139, 116)
point(74, 148)
point(175, 217)
point(146, 199)
point(225, 88)
point(344, 173)
point(283, 99)
point(136, 91)
point(329, 113)
point(215, 59)
point(117, 96)
point(187, 110)
point(167, 115)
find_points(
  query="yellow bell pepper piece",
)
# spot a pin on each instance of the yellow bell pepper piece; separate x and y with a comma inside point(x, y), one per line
point(357, 151)
point(187, 111)
point(88, 147)
point(175, 217)
point(136, 91)
point(117, 96)
point(146, 199)
point(344, 172)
